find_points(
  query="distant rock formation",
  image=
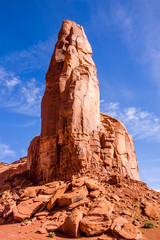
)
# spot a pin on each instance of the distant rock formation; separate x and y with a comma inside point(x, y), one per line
point(75, 137)
point(8, 171)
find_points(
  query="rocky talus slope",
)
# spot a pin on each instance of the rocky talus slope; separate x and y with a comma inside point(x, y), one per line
point(80, 178)
point(88, 205)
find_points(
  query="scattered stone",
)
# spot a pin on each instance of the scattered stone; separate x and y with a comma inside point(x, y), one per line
point(42, 230)
point(16, 196)
point(128, 213)
point(98, 219)
point(79, 182)
point(94, 194)
point(53, 200)
point(71, 225)
point(118, 224)
point(25, 210)
point(43, 213)
point(152, 211)
point(129, 231)
point(8, 209)
point(79, 203)
point(72, 197)
point(92, 184)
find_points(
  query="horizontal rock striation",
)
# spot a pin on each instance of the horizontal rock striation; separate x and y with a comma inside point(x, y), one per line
point(74, 136)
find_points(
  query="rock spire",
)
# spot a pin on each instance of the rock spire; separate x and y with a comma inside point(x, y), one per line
point(75, 137)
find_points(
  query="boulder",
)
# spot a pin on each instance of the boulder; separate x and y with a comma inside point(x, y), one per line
point(98, 219)
point(72, 197)
point(79, 203)
point(26, 210)
point(151, 211)
point(118, 223)
point(130, 232)
point(53, 200)
point(94, 194)
point(92, 184)
point(94, 225)
point(71, 225)
point(8, 209)
point(78, 182)
point(123, 228)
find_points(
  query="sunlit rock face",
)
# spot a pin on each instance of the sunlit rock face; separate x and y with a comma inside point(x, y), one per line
point(74, 138)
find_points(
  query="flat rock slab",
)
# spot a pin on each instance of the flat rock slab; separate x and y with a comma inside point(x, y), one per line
point(25, 210)
point(72, 197)
point(53, 200)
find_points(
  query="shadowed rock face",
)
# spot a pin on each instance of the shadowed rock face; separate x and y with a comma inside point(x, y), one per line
point(73, 136)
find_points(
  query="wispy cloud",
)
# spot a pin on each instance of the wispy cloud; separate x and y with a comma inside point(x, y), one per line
point(8, 79)
point(141, 124)
point(6, 152)
point(20, 96)
point(18, 92)
point(36, 57)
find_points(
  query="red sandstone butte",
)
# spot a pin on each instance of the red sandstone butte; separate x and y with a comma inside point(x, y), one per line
point(75, 137)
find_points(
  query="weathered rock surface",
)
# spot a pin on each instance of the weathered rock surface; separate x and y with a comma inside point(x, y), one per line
point(25, 210)
point(71, 225)
point(152, 211)
point(75, 137)
point(53, 200)
point(98, 219)
point(125, 229)
point(8, 171)
point(72, 197)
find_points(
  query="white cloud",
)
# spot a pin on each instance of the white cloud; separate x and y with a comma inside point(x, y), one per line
point(6, 152)
point(18, 92)
point(18, 96)
point(8, 79)
point(13, 82)
point(141, 124)
point(157, 190)
point(36, 57)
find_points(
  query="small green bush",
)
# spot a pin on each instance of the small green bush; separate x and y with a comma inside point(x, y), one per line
point(52, 234)
point(149, 225)
point(68, 213)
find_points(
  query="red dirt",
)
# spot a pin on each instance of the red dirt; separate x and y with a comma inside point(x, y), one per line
point(17, 232)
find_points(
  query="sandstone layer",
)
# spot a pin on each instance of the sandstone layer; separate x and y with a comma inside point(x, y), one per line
point(74, 136)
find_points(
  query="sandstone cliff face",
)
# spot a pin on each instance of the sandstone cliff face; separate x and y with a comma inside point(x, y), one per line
point(117, 148)
point(73, 137)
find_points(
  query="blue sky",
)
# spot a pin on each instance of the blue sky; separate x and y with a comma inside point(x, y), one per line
point(125, 39)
